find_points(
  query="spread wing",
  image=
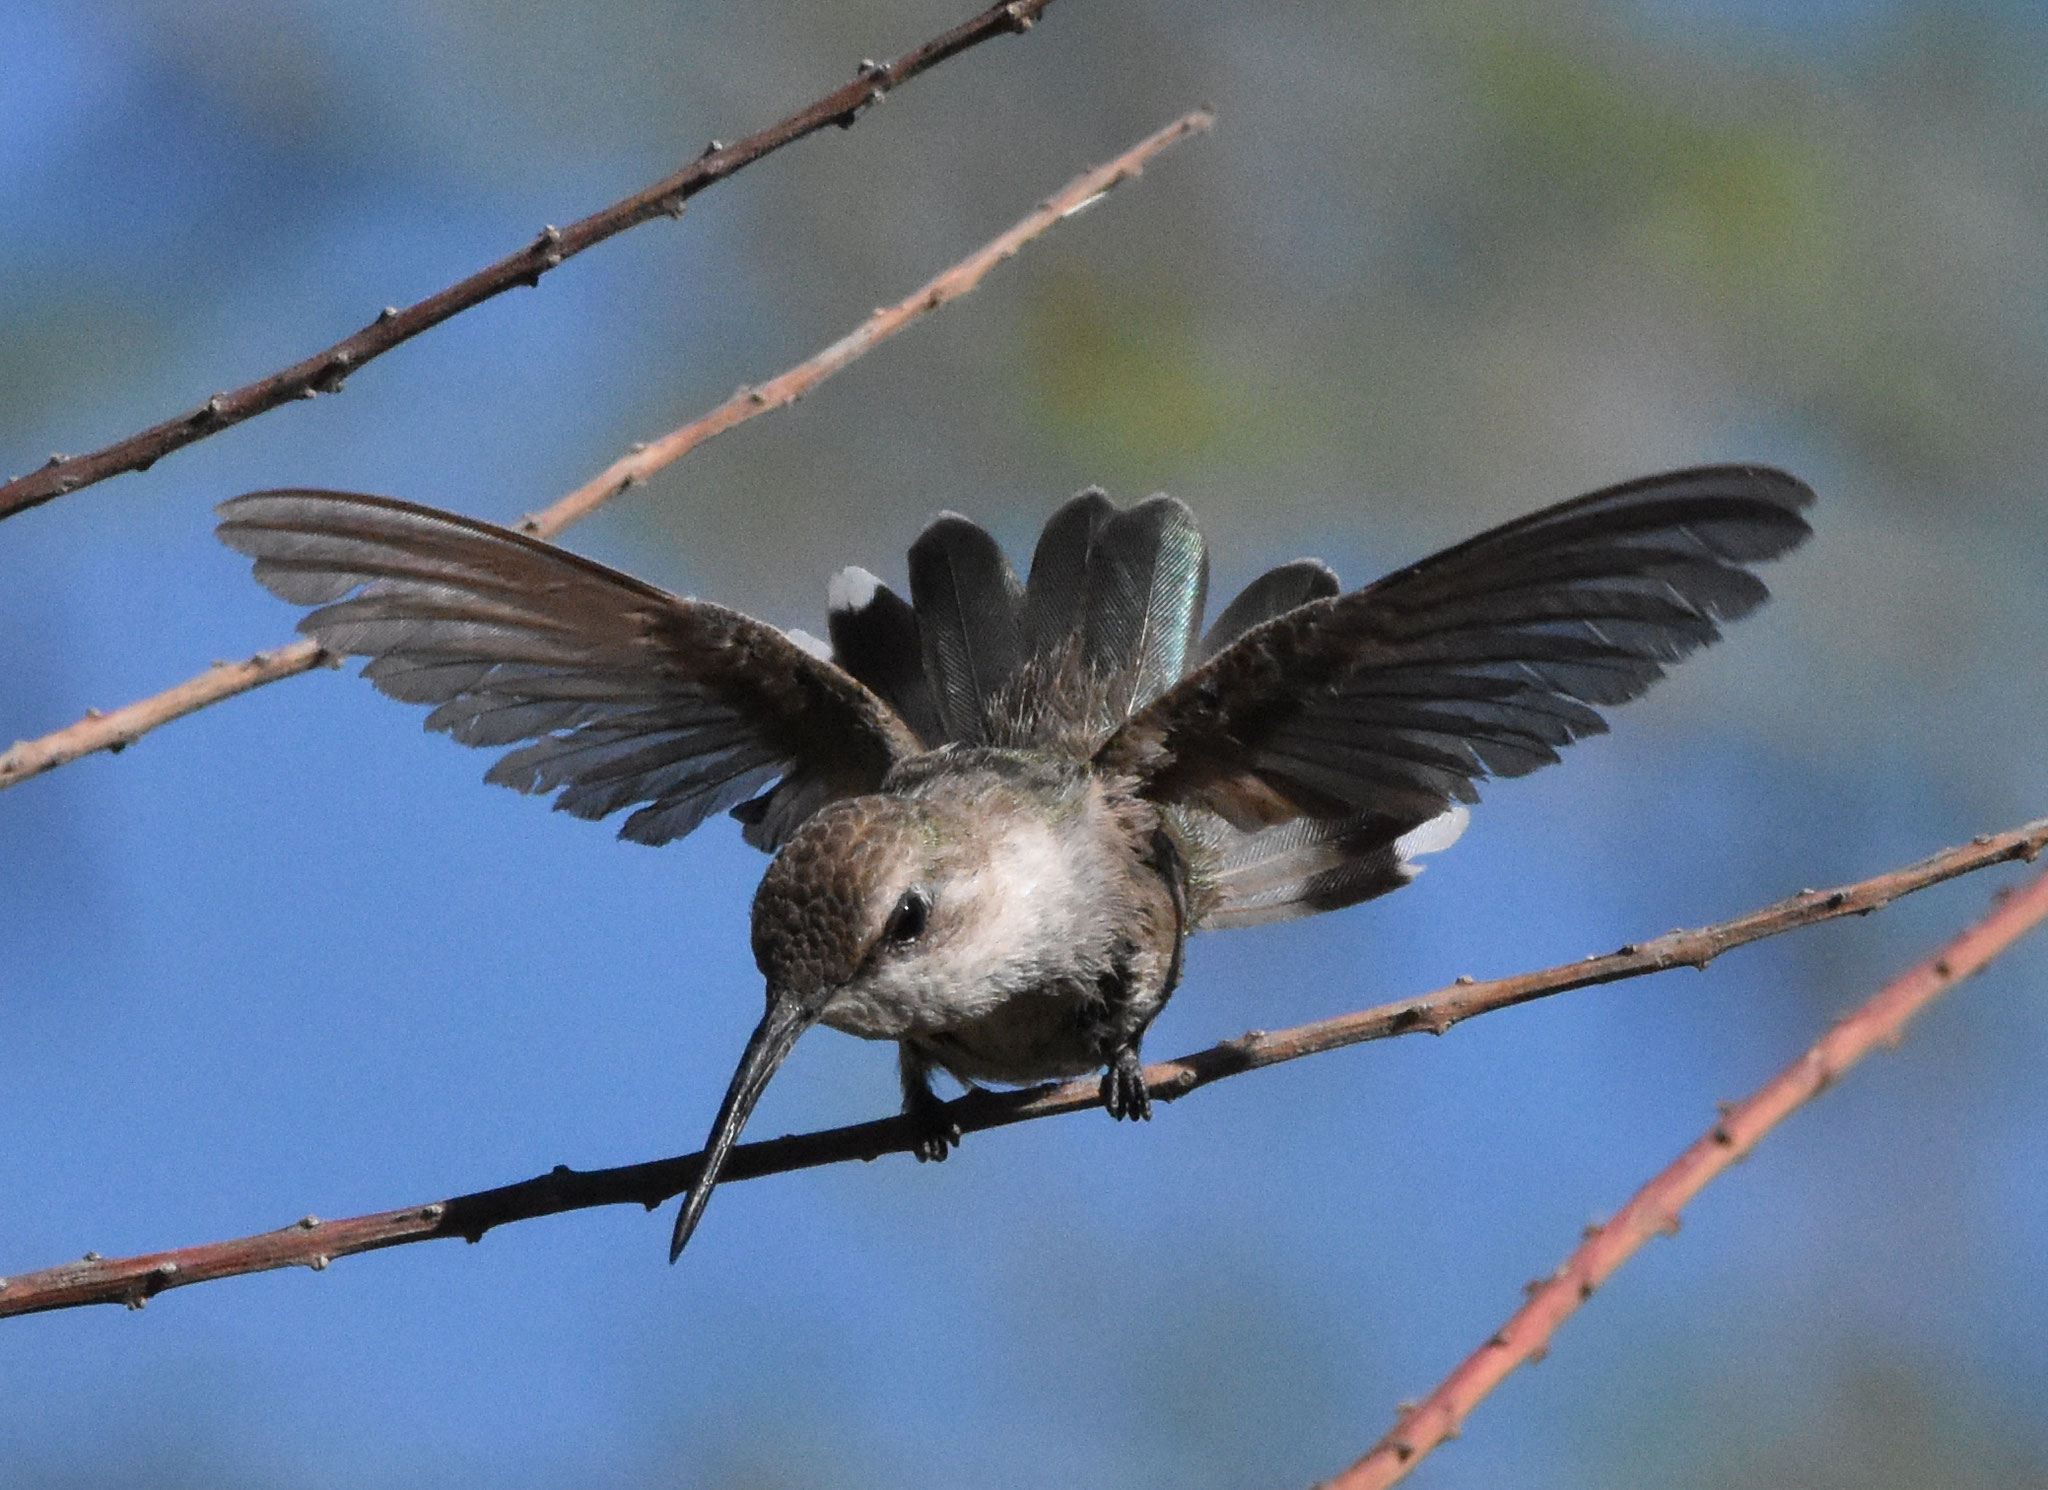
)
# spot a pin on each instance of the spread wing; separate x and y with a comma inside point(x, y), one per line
point(627, 694)
point(1386, 705)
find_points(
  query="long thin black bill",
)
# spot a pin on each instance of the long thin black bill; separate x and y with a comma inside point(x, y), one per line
point(771, 1043)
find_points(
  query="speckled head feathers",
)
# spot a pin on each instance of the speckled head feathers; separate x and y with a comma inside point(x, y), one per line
point(826, 898)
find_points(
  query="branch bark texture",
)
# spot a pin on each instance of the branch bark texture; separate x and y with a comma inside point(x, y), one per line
point(326, 371)
point(118, 728)
point(1654, 1210)
point(314, 1243)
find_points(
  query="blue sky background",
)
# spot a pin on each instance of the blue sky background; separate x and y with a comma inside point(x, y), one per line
point(1434, 268)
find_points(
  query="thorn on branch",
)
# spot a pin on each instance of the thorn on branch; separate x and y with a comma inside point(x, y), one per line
point(547, 248)
point(879, 73)
point(333, 375)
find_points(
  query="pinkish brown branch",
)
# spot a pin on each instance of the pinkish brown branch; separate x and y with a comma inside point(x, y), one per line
point(325, 371)
point(314, 1243)
point(119, 728)
point(1654, 1210)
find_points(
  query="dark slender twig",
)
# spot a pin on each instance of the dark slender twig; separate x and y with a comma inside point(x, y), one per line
point(325, 372)
point(116, 729)
point(1654, 1209)
point(315, 1243)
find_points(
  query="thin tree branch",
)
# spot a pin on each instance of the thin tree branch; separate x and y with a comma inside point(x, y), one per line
point(115, 730)
point(118, 728)
point(1654, 1209)
point(314, 1243)
point(325, 372)
point(884, 323)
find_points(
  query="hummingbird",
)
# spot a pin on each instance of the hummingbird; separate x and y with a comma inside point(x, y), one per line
point(998, 809)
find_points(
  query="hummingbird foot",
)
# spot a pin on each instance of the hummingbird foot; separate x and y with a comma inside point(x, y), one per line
point(1123, 1087)
point(937, 1135)
point(934, 1134)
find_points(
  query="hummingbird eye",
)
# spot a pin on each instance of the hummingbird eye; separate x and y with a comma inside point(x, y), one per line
point(907, 921)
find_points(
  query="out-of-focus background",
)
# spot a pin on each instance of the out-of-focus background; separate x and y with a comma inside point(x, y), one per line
point(1436, 266)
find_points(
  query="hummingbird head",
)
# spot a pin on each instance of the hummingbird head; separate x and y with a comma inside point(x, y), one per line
point(853, 889)
point(851, 899)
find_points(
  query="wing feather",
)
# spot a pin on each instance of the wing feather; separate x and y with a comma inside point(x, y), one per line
point(627, 694)
point(1389, 703)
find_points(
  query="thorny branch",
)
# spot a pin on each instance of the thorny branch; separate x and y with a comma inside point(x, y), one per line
point(1654, 1209)
point(326, 371)
point(119, 728)
point(315, 1243)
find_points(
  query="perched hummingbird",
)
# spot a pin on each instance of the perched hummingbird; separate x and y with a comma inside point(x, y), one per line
point(998, 809)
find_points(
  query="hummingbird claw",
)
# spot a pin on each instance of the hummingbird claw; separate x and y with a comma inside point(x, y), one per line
point(937, 1135)
point(1123, 1087)
point(933, 1147)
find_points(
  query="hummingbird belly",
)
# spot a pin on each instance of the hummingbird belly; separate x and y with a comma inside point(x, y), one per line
point(1029, 1037)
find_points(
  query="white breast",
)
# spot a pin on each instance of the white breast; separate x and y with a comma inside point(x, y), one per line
point(1027, 920)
